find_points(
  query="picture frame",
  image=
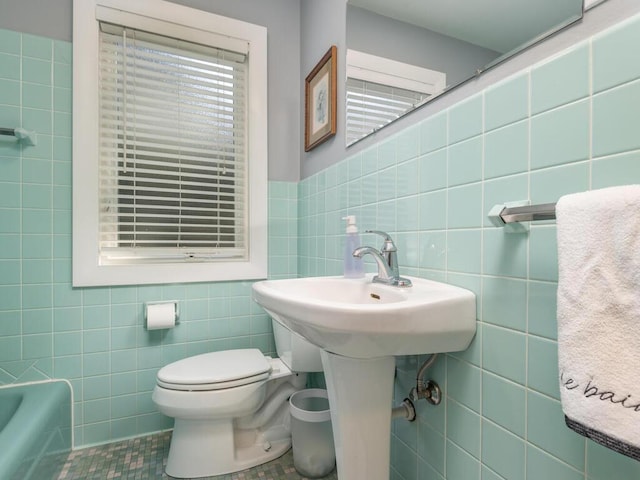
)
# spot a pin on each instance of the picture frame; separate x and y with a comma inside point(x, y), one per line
point(321, 101)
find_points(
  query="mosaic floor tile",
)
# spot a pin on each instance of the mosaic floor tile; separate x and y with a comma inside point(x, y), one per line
point(145, 457)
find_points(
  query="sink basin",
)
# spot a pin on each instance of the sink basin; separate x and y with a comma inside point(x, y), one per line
point(360, 319)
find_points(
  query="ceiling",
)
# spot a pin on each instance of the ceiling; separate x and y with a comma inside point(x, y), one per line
point(499, 25)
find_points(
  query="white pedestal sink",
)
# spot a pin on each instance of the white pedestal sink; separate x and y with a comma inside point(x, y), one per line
point(360, 327)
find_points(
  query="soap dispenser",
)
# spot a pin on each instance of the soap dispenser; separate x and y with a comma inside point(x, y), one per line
point(353, 266)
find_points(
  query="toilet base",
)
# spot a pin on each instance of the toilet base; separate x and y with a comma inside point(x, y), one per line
point(202, 448)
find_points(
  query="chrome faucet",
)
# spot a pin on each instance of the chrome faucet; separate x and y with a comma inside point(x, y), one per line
point(387, 260)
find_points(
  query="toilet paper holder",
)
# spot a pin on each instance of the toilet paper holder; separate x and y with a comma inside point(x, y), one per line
point(176, 310)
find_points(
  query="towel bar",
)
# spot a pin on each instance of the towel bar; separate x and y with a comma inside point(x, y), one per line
point(510, 215)
point(529, 213)
point(24, 136)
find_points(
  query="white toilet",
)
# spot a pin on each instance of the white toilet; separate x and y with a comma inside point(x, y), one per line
point(230, 407)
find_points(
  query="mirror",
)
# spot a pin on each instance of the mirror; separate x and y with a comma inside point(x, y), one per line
point(403, 53)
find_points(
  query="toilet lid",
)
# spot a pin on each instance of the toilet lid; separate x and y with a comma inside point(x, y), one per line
point(216, 370)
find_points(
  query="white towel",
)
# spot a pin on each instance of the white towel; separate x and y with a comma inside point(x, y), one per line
point(599, 315)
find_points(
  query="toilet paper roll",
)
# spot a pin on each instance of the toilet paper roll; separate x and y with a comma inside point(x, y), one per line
point(161, 315)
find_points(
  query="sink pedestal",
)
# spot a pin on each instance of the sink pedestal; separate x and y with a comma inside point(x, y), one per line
point(360, 397)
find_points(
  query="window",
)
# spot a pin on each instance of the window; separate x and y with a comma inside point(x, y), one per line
point(169, 145)
point(379, 90)
point(172, 149)
point(370, 106)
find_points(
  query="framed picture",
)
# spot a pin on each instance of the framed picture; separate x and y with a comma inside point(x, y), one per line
point(320, 101)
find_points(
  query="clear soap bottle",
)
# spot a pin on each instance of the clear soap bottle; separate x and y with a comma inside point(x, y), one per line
point(353, 266)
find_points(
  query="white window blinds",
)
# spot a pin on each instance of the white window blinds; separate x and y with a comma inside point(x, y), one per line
point(173, 160)
point(371, 106)
point(379, 90)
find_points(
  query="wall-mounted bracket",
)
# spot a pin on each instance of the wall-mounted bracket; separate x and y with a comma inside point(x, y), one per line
point(495, 217)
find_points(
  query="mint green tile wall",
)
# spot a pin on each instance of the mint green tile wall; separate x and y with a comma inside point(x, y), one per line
point(94, 336)
point(568, 124)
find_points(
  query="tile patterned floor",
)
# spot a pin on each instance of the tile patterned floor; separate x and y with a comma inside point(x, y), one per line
point(144, 458)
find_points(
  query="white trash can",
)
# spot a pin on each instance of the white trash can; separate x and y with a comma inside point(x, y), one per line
point(314, 455)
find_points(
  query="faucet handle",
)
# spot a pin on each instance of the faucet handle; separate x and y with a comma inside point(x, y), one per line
point(388, 245)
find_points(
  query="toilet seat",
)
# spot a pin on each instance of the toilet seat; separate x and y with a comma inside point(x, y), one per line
point(215, 371)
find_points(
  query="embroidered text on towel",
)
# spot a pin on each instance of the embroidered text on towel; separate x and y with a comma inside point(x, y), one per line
point(590, 390)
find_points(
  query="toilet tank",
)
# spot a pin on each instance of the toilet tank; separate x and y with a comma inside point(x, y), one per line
point(296, 353)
